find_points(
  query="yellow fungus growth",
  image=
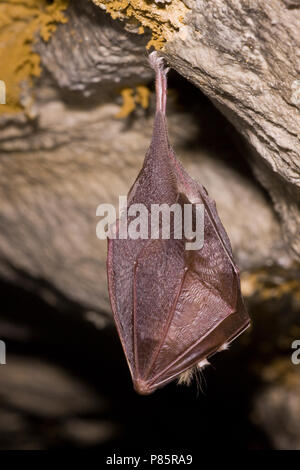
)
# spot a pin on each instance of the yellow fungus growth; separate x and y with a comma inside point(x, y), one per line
point(132, 97)
point(163, 21)
point(21, 23)
point(142, 96)
point(128, 103)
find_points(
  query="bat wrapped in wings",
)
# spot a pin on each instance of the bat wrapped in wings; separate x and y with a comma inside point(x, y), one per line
point(173, 307)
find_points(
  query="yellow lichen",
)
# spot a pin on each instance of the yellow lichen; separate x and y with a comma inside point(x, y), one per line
point(132, 97)
point(142, 96)
point(163, 21)
point(128, 103)
point(21, 23)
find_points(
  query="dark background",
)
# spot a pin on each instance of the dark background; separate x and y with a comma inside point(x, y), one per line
point(213, 413)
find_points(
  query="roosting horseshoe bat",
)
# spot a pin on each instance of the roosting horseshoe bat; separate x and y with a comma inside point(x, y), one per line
point(173, 307)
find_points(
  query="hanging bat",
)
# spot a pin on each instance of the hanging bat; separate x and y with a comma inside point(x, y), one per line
point(173, 307)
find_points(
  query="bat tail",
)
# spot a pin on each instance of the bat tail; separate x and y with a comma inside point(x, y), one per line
point(157, 63)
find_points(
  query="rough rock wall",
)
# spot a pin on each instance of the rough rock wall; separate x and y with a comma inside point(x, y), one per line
point(245, 56)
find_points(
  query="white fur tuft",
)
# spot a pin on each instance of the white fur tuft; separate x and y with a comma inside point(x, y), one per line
point(186, 377)
point(203, 364)
point(224, 347)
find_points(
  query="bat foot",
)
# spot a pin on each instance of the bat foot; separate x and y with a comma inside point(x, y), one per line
point(157, 62)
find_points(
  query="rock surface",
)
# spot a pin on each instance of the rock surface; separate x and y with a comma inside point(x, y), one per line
point(245, 57)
